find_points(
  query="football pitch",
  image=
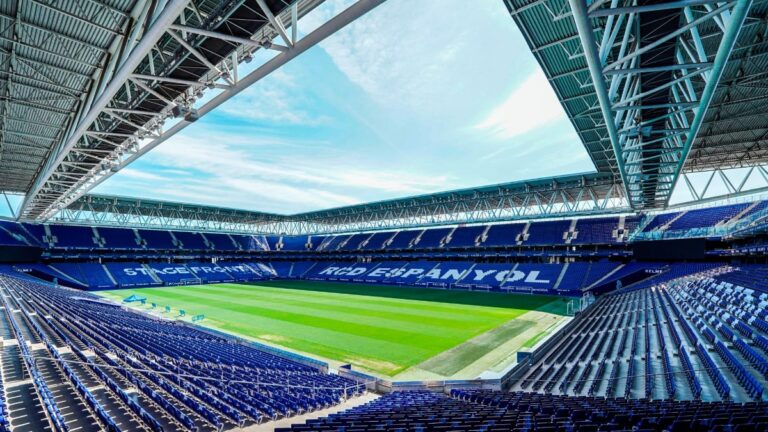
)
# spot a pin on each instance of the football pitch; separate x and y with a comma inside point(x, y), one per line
point(401, 332)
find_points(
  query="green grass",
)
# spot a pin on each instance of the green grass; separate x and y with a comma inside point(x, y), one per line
point(530, 343)
point(381, 328)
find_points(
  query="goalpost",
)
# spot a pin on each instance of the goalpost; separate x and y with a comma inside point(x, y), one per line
point(576, 305)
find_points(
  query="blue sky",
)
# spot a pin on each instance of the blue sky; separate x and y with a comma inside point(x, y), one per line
point(389, 107)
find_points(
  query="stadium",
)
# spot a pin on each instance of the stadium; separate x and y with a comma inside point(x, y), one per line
point(592, 300)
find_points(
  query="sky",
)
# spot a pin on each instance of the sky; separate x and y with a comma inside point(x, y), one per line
point(412, 98)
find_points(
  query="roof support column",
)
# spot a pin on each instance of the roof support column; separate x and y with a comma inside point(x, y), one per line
point(580, 17)
point(733, 27)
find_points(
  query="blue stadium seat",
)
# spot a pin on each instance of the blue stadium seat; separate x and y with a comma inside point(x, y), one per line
point(596, 231)
point(250, 243)
point(244, 272)
point(182, 378)
point(37, 231)
point(486, 276)
point(295, 243)
point(660, 220)
point(73, 237)
point(119, 238)
point(341, 271)
point(503, 234)
point(533, 278)
point(466, 236)
point(706, 217)
point(432, 238)
point(282, 268)
point(403, 239)
point(131, 274)
point(15, 234)
point(547, 233)
point(174, 274)
point(157, 239)
point(445, 274)
point(94, 275)
point(640, 329)
point(209, 272)
point(353, 242)
point(332, 243)
point(487, 410)
point(221, 242)
point(191, 240)
point(376, 241)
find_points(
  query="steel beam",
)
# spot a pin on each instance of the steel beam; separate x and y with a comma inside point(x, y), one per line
point(169, 14)
point(649, 8)
point(275, 22)
point(358, 9)
point(228, 38)
point(650, 153)
point(586, 34)
point(738, 15)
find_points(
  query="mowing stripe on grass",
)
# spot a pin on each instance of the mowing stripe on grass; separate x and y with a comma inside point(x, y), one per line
point(405, 312)
point(475, 298)
point(415, 307)
point(308, 315)
point(285, 312)
point(385, 329)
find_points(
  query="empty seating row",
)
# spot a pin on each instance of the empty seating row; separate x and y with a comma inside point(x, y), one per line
point(560, 232)
point(519, 277)
point(95, 276)
point(134, 372)
point(704, 217)
point(5, 424)
point(561, 279)
point(484, 410)
point(581, 231)
point(73, 237)
point(629, 344)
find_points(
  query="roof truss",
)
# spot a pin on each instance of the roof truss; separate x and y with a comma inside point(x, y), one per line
point(191, 48)
point(661, 87)
point(654, 89)
point(565, 196)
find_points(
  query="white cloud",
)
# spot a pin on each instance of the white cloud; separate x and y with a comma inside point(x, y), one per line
point(274, 100)
point(394, 56)
point(237, 170)
point(131, 173)
point(530, 106)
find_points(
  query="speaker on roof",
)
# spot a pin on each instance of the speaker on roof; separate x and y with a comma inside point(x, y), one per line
point(189, 114)
point(178, 110)
point(192, 115)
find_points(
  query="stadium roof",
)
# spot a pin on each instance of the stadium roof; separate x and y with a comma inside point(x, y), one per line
point(52, 58)
point(547, 197)
point(681, 85)
point(124, 211)
point(670, 87)
point(151, 69)
point(581, 194)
